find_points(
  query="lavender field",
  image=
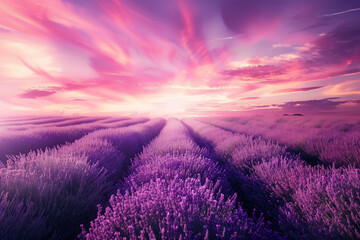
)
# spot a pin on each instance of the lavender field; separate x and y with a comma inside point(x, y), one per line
point(192, 178)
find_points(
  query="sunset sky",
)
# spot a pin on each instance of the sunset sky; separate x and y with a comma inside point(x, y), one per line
point(179, 57)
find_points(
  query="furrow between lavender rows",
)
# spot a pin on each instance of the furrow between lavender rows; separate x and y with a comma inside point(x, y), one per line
point(47, 194)
point(174, 191)
point(303, 201)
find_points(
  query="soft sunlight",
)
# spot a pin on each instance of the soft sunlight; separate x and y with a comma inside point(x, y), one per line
point(177, 57)
point(179, 119)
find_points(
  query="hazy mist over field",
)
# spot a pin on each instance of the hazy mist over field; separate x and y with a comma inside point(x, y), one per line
point(179, 119)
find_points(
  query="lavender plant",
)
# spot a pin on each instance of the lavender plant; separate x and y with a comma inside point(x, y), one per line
point(320, 202)
point(327, 141)
point(15, 142)
point(168, 196)
point(198, 180)
point(311, 202)
point(175, 210)
point(63, 185)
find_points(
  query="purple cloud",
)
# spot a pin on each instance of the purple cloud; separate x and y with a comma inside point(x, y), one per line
point(257, 72)
point(238, 14)
point(36, 93)
point(335, 53)
point(339, 46)
point(310, 105)
point(290, 90)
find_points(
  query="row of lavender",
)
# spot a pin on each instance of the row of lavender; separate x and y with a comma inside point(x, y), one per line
point(175, 192)
point(303, 201)
point(13, 123)
point(58, 122)
point(174, 189)
point(46, 133)
point(326, 141)
point(47, 194)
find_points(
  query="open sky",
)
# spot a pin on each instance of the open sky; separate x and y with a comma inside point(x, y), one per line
point(179, 57)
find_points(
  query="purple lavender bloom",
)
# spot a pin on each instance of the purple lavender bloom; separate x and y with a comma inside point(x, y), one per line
point(175, 209)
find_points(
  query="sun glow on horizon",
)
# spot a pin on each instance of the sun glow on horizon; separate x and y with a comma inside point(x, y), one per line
point(182, 57)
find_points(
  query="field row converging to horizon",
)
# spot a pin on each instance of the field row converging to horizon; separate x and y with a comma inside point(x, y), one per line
point(192, 178)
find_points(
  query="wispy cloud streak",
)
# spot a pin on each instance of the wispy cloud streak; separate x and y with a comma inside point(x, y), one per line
point(157, 56)
point(342, 12)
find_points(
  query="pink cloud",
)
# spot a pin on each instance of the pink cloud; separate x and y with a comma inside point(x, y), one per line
point(192, 38)
point(249, 98)
point(330, 55)
point(114, 54)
